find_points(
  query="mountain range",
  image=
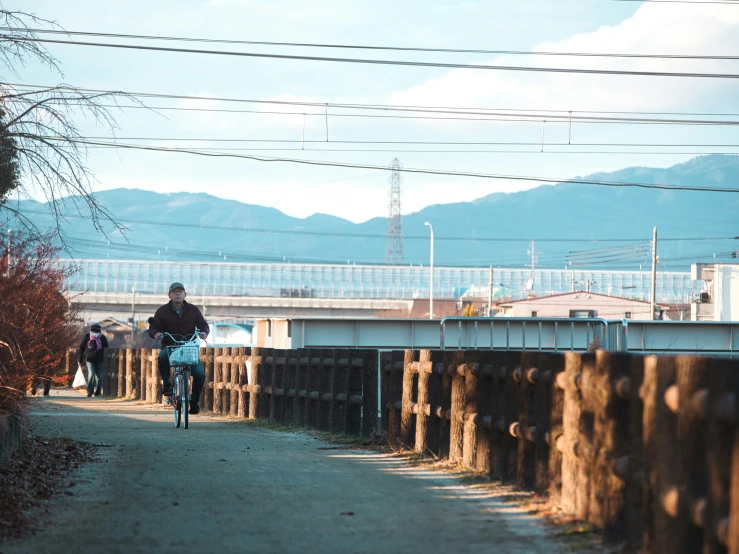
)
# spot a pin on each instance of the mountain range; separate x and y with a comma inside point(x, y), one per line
point(597, 226)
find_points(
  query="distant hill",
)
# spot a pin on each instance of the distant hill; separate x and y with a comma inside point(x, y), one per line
point(186, 226)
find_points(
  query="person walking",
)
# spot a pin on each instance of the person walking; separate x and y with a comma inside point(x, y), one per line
point(91, 352)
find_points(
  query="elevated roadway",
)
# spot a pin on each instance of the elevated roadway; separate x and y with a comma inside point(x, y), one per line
point(120, 305)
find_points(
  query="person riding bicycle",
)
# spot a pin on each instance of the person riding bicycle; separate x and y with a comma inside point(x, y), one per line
point(179, 318)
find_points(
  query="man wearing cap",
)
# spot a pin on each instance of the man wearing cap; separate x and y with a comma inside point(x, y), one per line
point(180, 319)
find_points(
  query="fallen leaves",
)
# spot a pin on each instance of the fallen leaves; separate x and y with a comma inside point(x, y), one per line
point(34, 475)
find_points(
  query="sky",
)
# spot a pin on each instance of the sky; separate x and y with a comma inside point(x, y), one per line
point(601, 26)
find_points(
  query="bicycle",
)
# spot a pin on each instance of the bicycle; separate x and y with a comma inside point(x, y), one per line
point(182, 355)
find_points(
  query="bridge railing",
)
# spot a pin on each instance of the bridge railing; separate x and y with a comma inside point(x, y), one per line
point(525, 333)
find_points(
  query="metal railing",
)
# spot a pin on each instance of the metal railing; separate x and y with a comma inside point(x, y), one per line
point(718, 338)
point(527, 333)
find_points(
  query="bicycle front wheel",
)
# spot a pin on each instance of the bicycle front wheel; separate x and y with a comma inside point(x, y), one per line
point(186, 397)
point(177, 400)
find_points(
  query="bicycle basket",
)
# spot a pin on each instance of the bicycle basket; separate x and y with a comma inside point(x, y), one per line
point(183, 354)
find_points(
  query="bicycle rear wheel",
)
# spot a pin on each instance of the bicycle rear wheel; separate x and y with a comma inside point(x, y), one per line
point(186, 397)
point(177, 400)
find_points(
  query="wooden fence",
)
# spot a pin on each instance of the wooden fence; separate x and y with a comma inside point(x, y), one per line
point(332, 390)
point(644, 448)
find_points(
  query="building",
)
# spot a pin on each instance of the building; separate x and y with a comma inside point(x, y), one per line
point(719, 296)
point(578, 304)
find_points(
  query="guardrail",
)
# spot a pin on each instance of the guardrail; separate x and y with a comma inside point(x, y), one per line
point(710, 338)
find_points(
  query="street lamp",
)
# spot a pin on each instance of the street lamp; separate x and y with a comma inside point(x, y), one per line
point(431, 273)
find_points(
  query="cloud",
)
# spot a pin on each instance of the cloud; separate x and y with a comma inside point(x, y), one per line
point(694, 29)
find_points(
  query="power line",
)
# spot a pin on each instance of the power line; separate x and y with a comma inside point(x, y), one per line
point(418, 142)
point(430, 151)
point(417, 170)
point(371, 47)
point(404, 63)
point(537, 116)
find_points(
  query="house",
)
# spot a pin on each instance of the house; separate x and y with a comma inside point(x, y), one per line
point(577, 304)
point(118, 334)
point(719, 299)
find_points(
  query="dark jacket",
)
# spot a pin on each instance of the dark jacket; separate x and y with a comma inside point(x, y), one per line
point(91, 355)
point(181, 326)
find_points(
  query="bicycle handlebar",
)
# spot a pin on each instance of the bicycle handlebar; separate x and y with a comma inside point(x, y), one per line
point(186, 340)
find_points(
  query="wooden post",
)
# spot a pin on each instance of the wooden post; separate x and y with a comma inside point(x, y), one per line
point(325, 392)
point(484, 421)
point(121, 384)
point(278, 386)
point(208, 357)
point(456, 427)
point(584, 453)
point(338, 387)
point(353, 402)
point(370, 374)
point(153, 375)
point(496, 403)
point(144, 372)
point(243, 383)
point(470, 371)
point(635, 482)
point(255, 362)
point(437, 431)
point(301, 384)
point(555, 365)
point(235, 367)
point(395, 394)
point(526, 471)
point(107, 371)
point(690, 460)
point(130, 380)
point(156, 381)
point(609, 443)
point(542, 380)
point(313, 403)
point(422, 405)
point(660, 431)
point(568, 443)
point(386, 367)
point(407, 426)
point(217, 380)
point(134, 380)
point(722, 456)
point(225, 384)
point(291, 387)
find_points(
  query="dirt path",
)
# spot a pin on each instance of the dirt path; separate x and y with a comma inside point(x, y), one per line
point(228, 486)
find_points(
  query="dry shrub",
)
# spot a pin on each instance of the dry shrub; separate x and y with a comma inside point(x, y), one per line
point(37, 323)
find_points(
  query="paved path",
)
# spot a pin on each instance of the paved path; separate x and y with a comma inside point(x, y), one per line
point(229, 486)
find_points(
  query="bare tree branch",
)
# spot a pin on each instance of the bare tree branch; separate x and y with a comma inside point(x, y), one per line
point(39, 130)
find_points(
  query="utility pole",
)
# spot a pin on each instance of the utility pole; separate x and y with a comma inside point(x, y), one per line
point(394, 252)
point(431, 272)
point(133, 316)
point(490, 292)
point(653, 292)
